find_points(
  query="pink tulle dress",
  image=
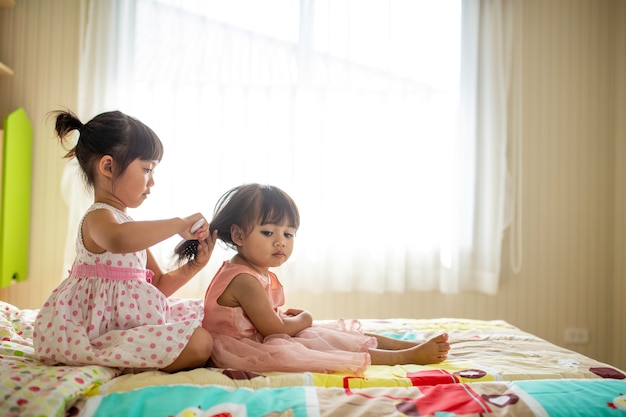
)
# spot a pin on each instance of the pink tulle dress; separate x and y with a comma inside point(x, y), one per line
point(338, 346)
point(108, 313)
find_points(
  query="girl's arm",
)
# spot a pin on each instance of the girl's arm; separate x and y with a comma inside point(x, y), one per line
point(102, 232)
point(246, 292)
point(168, 283)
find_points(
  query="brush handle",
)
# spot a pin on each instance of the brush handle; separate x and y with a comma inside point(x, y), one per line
point(197, 225)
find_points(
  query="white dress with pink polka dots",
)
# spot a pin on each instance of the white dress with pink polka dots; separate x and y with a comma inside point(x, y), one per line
point(108, 313)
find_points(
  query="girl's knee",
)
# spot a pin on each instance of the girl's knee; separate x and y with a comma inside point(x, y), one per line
point(201, 344)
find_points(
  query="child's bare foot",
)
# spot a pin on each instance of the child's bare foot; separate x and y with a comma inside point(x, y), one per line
point(434, 350)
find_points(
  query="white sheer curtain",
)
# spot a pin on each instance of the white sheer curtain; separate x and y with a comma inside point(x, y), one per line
point(105, 65)
point(350, 106)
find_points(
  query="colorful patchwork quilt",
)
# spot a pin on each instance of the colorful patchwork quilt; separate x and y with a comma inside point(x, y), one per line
point(568, 397)
point(30, 388)
point(494, 369)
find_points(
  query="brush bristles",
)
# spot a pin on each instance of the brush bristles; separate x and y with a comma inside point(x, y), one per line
point(187, 250)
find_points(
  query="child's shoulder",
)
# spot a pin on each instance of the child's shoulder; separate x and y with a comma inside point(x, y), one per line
point(99, 205)
point(235, 268)
point(119, 214)
point(231, 270)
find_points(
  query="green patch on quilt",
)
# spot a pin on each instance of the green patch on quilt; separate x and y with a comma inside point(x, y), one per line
point(598, 397)
point(195, 400)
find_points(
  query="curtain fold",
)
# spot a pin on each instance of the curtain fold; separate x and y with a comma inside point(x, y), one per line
point(397, 164)
point(106, 54)
point(487, 44)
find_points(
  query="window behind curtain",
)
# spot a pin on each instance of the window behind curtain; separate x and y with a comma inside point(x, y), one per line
point(349, 106)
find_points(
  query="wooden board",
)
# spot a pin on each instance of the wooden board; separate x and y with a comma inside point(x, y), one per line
point(17, 151)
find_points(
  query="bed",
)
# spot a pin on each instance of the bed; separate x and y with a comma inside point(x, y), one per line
point(494, 369)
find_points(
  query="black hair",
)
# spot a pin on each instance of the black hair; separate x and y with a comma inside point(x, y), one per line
point(245, 206)
point(112, 133)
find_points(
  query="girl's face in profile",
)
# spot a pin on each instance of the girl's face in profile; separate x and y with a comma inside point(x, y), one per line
point(268, 245)
point(133, 186)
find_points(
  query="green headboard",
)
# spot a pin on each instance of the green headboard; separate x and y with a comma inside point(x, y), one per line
point(17, 149)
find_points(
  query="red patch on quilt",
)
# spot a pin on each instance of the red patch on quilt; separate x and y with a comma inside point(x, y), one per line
point(608, 373)
point(459, 399)
point(432, 377)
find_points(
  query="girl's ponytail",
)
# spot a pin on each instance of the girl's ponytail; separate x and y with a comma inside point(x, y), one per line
point(65, 126)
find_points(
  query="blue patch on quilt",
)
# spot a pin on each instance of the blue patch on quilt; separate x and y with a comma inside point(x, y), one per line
point(403, 336)
point(593, 397)
point(194, 400)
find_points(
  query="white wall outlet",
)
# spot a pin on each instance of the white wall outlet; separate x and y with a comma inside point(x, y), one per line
point(576, 335)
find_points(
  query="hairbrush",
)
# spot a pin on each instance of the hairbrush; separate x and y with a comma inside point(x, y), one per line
point(187, 249)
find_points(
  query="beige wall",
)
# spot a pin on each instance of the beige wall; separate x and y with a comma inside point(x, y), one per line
point(618, 306)
point(574, 231)
point(39, 40)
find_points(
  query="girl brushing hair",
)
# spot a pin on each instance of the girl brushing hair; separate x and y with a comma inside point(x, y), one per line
point(114, 308)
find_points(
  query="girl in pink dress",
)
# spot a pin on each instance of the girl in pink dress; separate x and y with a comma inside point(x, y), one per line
point(243, 302)
point(113, 309)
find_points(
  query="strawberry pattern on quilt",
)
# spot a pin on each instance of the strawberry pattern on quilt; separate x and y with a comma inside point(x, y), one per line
point(30, 388)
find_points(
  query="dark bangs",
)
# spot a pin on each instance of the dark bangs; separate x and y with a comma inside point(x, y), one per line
point(144, 143)
point(275, 206)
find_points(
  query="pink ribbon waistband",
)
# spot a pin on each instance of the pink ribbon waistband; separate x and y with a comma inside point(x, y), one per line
point(111, 272)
